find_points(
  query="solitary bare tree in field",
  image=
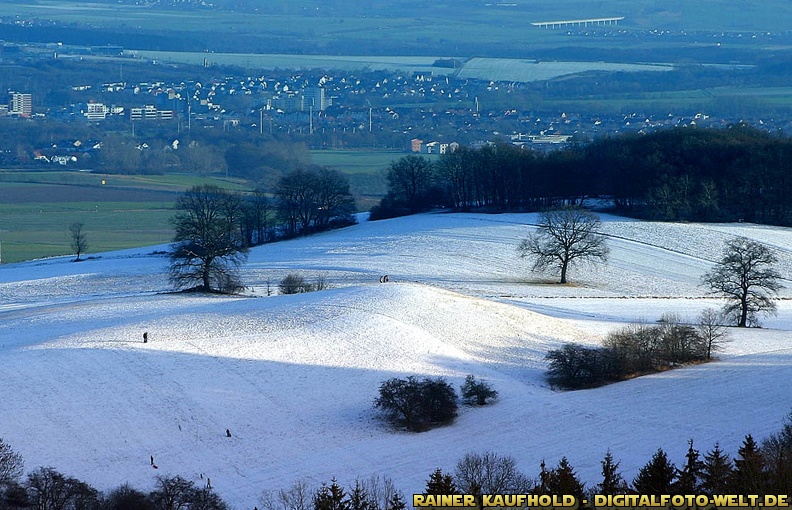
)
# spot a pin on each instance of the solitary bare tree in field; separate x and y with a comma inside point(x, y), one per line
point(79, 242)
point(564, 236)
point(746, 278)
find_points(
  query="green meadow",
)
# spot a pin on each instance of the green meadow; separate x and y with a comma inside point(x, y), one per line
point(127, 211)
point(118, 211)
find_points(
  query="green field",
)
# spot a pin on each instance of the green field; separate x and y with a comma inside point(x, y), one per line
point(703, 100)
point(170, 182)
point(36, 230)
point(356, 161)
point(126, 211)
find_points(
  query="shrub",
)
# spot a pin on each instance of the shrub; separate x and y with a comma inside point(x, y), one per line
point(321, 283)
point(479, 393)
point(634, 350)
point(574, 367)
point(416, 404)
point(294, 284)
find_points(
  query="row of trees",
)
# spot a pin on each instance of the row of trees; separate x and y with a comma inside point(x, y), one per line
point(757, 469)
point(636, 350)
point(313, 199)
point(215, 227)
point(375, 493)
point(761, 469)
point(677, 174)
point(48, 489)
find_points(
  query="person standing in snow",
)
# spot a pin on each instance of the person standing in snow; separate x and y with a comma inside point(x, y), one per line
point(152, 460)
point(145, 337)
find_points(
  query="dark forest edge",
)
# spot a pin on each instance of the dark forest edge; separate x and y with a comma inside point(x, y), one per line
point(737, 173)
point(758, 468)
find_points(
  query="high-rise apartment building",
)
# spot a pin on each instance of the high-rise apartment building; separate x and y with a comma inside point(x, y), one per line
point(21, 104)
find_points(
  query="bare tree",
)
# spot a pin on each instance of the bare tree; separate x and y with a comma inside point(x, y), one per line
point(255, 216)
point(490, 473)
point(297, 200)
point(313, 199)
point(51, 490)
point(11, 463)
point(207, 248)
point(711, 330)
point(409, 182)
point(172, 493)
point(746, 278)
point(333, 199)
point(564, 236)
point(298, 497)
point(79, 241)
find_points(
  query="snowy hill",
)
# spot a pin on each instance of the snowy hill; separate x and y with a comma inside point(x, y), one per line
point(294, 377)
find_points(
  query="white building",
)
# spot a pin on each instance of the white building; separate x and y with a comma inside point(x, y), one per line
point(21, 104)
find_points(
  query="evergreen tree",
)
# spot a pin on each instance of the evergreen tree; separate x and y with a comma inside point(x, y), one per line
point(396, 502)
point(438, 483)
point(563, 480)
point(776, 451)
point(331, 498)
point(717, 472)
point(688, 478)
point(748, 469)
point(544, 479)
point(359, 498)
point(657, 476)
point(612, 481)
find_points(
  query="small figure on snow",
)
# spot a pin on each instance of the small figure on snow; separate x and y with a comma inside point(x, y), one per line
point(208, 483)
point(152, 460)
point(145, 337)
point(228, 433)
point(384, 279)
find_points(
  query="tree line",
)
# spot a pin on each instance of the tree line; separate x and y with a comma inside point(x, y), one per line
point(758, 468)
point(216, 227)
point(636, 350)
point(737, 173)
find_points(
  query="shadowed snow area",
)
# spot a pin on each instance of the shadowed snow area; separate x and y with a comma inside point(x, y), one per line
point(294, 377)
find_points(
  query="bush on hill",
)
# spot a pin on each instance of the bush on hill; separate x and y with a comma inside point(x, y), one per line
point(634, 350)
point(477, 393)
point(417, 405)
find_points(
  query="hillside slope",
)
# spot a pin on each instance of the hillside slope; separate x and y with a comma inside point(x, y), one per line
point(294, 377)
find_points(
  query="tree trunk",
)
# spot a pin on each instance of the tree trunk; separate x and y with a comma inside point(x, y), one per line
point(206, 273)
point(564, 271)
point(743, 312)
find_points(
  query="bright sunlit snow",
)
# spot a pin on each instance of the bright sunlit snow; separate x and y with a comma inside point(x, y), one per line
point(293, 378)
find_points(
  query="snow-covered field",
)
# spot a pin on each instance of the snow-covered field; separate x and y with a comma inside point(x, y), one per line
point(294, 377)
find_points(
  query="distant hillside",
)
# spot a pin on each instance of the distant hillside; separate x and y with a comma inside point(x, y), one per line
point(409, 27)
point(668, 15)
